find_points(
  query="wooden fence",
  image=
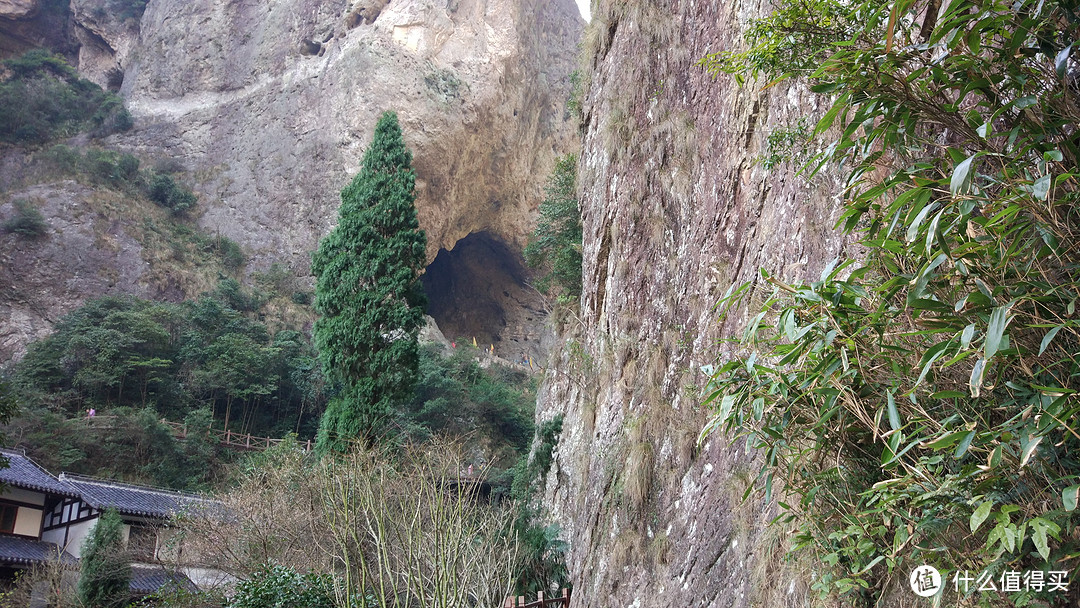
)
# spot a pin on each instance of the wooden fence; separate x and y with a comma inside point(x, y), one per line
point(227, 438)
point(541, 602)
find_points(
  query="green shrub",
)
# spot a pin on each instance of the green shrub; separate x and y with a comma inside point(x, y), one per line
point(117, 169)
point(455, 396)
point(166, 192)
point(45, 100)
point(278, 279)
point(281, 587)
point(105, 566)
point(231, 254)
point(919, 403)
point(27, 220)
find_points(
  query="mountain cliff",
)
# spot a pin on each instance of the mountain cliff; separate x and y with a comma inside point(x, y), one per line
point(267, 108)
point(676, 208)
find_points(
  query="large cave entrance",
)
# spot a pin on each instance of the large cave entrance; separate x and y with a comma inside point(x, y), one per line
point(479, 289)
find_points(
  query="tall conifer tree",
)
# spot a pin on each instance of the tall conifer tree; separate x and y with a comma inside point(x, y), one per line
point(106, 568)
point(368, 293)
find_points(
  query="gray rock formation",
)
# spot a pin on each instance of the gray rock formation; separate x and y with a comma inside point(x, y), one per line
point(269, 107)
point(18, 9)
point(675, 211)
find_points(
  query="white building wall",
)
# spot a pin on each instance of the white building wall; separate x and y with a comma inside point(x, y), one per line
point(77, 534)
point(28, 521)
point(27, 496)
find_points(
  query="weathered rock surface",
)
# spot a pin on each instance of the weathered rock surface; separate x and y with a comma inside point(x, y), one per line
point(84, 253)
point(27, 24)
point(105, 41)
point(269, 107)
point(675, 211)
point(17, 9)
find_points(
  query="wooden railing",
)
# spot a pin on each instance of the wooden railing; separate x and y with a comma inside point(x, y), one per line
point(541, 602)
point(227, 438)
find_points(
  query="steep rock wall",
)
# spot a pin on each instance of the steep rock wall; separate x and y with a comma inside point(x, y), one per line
point(675, 210)
point(269, 106)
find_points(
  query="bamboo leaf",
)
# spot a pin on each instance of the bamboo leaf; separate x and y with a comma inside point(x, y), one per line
point(1041, 188)
point(980, 515)
point(1070, 496)
point(960, 175)
point(1028, 449)
point(975, 382)
point(913, 229)
point(999, 318)
point(965, 443)
point(1061, 62)
point(1047, 338)
point(894, 415)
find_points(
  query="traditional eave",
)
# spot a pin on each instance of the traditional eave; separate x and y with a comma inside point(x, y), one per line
point(22, 472)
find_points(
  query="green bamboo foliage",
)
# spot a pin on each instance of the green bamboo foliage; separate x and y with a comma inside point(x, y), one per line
point(919, 405)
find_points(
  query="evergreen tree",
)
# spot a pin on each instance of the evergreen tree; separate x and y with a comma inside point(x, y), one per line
point(368, 293)
point(556, 243)
point(106, 568)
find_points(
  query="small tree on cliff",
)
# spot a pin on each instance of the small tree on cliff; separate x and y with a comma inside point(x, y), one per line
point(106, 567)
point(368, 292)
point(556, 243)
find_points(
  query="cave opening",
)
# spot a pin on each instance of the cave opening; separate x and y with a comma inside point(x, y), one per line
point(480, 289)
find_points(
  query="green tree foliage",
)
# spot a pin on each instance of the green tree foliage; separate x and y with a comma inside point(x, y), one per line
point(44, 99)
point(177, 358)
point(556, 242)
point(939, 373)
point(27, 220)
point(105, 566)
point(166, 192)
point(454, 396)
point(280, 587)
point(543, 553)
point(368, 293)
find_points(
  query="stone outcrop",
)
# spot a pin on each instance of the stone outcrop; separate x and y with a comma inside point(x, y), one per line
point(675, 211)
point(269, 106)
point(18, 9)
point(85, 252)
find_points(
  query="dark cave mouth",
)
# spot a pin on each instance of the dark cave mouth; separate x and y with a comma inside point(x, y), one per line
point(480, 290)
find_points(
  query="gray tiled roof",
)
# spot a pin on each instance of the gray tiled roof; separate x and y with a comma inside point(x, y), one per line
point(25, 473)
point(130, 499)
point(26, 551)
point(148, 579)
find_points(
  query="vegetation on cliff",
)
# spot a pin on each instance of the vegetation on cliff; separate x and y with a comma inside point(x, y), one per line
point(44, 99)
point(555, 246)
point(368, 293)
point(918, 406)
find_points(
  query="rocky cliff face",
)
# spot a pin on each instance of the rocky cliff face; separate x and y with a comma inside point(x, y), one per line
point(269, 106)
point(675, 211)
